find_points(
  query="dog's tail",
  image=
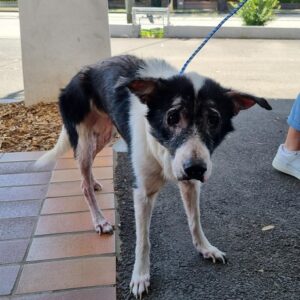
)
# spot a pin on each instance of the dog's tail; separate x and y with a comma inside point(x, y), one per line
point(62, 146)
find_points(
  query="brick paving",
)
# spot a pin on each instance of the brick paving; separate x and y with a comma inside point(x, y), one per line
point(48, 247)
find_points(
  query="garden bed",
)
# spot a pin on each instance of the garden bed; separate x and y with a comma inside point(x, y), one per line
point(31, 128)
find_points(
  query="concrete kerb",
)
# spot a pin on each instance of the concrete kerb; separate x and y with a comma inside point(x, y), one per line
point(126, 30)
point(235, 32)
point(201, 31)
point(189, 31)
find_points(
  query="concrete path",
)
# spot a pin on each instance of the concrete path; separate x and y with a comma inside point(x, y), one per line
point(243, 195)
point(266, 68)
point(269, 68)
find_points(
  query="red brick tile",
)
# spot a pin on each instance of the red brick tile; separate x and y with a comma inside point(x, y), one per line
point(24, 179)
point(73, 273)
point(107, 151)
point(23, 193)
point(74, 222)
point(70, 245)
point(8, 276)
point(69, 154)
point(21, 156)
point(74, 174)
point(98, 293)
point(12, 251)
point(73, 188)
point(75, 204)
point(71, 163)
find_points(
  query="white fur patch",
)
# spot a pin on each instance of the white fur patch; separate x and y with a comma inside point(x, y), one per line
point(138, 129)
point(176, 101)
point(197, 80)
point(157, 68)
point(144, 144)
point(62, 146)
point(146, 151)
point(161, 155)
point(192, 148)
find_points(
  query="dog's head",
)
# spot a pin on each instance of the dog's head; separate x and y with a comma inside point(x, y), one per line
point(190, 115)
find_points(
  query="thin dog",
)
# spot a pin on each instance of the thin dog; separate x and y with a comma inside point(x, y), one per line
point(171, 123)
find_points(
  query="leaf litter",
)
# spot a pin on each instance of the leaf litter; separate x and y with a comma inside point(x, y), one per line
point(33, 128)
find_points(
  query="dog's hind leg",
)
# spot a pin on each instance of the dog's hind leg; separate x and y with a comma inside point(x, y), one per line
point(103, 132)
point(190, 193)
point(97, 147)
point(85, 158)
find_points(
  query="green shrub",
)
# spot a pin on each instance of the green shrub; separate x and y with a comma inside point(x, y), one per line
point(258, 12)
point(152, 33)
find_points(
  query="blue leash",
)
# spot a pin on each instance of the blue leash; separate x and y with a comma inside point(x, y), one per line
point(210, 35)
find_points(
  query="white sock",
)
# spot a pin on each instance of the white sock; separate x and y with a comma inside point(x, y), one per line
point(287, 152)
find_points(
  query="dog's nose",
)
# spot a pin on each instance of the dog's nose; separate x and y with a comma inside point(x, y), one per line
point(195, 169)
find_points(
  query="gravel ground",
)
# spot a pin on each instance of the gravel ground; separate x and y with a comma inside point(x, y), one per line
point(243, 196)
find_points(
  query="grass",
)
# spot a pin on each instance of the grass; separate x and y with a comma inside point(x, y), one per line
point(152, 33)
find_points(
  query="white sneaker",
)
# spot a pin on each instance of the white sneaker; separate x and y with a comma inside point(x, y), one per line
point(287, 162)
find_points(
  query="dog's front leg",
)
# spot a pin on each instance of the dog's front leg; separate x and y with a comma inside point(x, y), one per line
point(190, 193)
point(143, 206)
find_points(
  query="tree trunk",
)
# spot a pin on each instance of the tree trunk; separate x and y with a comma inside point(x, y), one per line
point(129, 4)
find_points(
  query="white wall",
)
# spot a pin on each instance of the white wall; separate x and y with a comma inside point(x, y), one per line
point(58, 37)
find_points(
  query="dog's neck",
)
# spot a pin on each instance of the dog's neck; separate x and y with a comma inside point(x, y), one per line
point(144, 142)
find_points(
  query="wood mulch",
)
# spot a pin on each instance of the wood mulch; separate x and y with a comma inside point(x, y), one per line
point(31, 128)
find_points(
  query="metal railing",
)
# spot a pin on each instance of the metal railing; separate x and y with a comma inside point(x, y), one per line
point(13, 3)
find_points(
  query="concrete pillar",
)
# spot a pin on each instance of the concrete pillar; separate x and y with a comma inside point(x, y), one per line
point(58, 37)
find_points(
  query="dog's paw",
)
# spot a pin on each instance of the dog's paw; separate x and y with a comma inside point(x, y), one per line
point(104, 227)
point(213, 253)
point(97, 186)
point(139, 284)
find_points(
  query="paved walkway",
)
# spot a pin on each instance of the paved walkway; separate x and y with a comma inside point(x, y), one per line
point(48, 247)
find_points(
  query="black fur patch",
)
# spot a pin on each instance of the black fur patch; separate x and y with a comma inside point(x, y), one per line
point(212, 95)
point(199, 109)
point(178, 87)
point(96, 84)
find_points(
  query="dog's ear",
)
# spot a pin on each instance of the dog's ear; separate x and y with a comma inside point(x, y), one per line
point(244, 101)
point(144, 89)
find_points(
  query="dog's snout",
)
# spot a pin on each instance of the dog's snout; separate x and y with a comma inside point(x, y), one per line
point(195, 169)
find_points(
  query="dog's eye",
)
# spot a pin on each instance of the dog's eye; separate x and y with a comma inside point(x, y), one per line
point(173, 117)
point(214, 119)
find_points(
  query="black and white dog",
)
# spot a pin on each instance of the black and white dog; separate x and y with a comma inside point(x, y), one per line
point(171, 123)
